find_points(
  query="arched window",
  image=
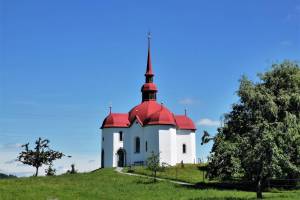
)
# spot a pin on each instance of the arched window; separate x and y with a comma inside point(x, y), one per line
point(121, 136)
point(137, 145)
point(146, 146)
point(102, 158)
point(183, 148)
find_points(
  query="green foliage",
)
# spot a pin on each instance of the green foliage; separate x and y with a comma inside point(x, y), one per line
point(41, 155)
point(206, 138)
point(50, 171)
point(260, 138)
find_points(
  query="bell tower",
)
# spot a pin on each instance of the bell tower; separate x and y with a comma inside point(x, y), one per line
point(149, 89)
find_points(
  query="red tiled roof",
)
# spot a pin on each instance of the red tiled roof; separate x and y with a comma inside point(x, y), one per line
point(163, 116)
point(148, 113)
point(144, 110)
point(184, 122)
point(116, 120)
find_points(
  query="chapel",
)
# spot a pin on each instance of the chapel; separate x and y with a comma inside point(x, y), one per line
point(130, 138)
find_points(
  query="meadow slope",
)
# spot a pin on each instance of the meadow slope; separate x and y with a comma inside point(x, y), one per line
point(108, 184)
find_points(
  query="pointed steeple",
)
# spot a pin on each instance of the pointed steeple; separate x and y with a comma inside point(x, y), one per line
point(149, 89)
point(149, 71)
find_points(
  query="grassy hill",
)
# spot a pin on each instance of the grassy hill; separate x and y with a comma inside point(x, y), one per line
point(108, 184)
point(191, 173)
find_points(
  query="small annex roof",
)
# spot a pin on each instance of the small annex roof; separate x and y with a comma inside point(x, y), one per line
point(116, 120)
point(185, 123)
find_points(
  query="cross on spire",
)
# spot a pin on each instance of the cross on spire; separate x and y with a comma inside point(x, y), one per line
point(149, 39)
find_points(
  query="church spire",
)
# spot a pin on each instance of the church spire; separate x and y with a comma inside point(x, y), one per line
point(149, 89)
point(149, 71)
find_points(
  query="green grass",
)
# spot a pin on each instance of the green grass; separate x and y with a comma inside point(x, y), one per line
point(190, 173)
point(107, 184)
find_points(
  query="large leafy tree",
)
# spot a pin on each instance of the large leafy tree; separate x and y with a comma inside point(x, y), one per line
point(260, 138)
point(40, 155)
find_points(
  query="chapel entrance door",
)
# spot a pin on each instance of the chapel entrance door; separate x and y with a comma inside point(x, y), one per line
point(121, 157)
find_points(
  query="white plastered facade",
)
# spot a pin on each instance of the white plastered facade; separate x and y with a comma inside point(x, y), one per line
point(163, 139)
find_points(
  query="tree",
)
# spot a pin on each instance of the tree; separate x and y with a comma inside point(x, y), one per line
point(50, 171)
point(206, 138)
point(41, 155)
point(153, 164)
point(73, 170)
point(260, 138)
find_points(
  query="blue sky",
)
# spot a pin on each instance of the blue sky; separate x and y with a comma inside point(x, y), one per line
point(62, 63)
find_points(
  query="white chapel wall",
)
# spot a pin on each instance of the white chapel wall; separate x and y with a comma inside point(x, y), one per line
point(111, 144)
point(186, 137)
point(167, 145)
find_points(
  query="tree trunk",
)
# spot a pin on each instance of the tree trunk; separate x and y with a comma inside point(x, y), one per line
point(155, 176)
point(36, 171)
point(259, 189)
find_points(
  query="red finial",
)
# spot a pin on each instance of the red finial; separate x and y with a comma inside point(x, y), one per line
point(110, 109)
point(149, 65)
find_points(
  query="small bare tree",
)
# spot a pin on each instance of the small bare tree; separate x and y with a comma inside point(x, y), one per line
point(153, 164)
point(40, 155)
point(73, 170)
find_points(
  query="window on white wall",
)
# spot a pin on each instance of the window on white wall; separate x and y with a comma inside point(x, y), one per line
point(146, 146)
point(183, 148)
point(137, 145)
point(121, 136)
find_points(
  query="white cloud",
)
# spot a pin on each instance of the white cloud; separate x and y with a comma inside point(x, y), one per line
point(208, 122)
point(187, 101)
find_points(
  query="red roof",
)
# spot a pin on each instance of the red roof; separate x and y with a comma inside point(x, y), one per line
point(149, 87)
point(116, 120)
point(163, 116)
point(144, 110)
point(149, 113)
point(184, 122)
